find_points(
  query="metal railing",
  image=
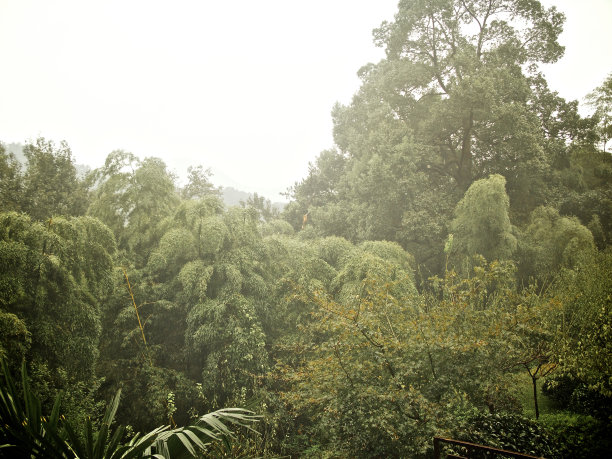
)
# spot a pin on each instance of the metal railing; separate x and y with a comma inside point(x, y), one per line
point(473, 450)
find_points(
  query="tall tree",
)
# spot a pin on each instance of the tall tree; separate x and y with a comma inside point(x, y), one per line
point(51, 187)
point(133, 198)
point(601, 100)
point(454, 71)
point(199, 184)
point(11, 197)
point(190, 314)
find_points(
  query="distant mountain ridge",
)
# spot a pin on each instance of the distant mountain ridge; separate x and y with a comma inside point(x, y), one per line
point(233, 197)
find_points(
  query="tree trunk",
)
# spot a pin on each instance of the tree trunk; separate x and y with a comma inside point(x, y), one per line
point(535, 396)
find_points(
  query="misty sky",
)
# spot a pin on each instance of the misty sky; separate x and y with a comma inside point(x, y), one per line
point(244, 87)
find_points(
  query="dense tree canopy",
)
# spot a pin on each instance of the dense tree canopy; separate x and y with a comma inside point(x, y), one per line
point(443, 269)
point(53, 276)
point(452, 102)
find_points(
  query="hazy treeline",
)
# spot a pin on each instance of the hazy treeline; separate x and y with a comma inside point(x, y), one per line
point(445, 269)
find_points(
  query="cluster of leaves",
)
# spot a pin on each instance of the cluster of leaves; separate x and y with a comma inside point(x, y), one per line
point(25, 432)
point(511, 432)
point(380, 368)
point(52, 276)
point(455, 240)
point(578, 436)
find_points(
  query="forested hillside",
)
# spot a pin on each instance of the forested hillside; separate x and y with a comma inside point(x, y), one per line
point(444, 269)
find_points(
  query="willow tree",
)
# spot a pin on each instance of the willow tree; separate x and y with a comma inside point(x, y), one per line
point(482, 225)
point(133, 197)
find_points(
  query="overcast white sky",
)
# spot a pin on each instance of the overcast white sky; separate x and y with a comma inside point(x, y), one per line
point(243, 87)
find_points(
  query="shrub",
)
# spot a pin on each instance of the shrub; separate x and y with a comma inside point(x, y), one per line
point(512, 432)
point(578, 436)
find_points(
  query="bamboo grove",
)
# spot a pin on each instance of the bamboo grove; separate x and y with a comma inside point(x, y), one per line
point(444, 269)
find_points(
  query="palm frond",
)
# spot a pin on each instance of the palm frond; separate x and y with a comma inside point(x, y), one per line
point(24, 431)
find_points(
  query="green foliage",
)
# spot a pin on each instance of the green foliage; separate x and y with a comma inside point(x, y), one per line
point(322, 336)
point(383, 261)
point(328, 320)
point(198, 184)
point(582, 341)
point(261, 206)
point(380, 368)
point(578, 436)
point(510, 432)
point(551, 242)
point(449, 104)
point(482, 225)
point(601, 100)
point(277, 226)
point(26, 432)
point(50, 184)
point(592, 204)
point(571, 394)
point(15, 338)
point(175, 248)
point(10, 182)
point(454, 68)
point(334, 250)
point(51, 279)
point(133, 197)
point(350, 381)
point(200, 297)
point(224, 339)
